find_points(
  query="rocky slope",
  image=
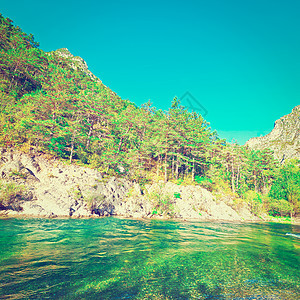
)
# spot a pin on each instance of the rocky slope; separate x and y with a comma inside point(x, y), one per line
point(284, 139)
point(54, 189)
point(76, 62)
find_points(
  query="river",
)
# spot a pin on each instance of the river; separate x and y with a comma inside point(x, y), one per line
point(111, 258)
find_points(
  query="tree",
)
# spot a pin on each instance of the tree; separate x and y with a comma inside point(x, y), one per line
point(287, 186)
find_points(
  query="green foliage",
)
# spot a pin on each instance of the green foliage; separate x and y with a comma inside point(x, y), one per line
point(17, 174)
point(287, 187)
point(93, 200)
point(202, 179)
point(280, 207)
point(163, 204)
point(76, 193)
point(254, 201)
point(179, 181)
point(93, 160)
point(204, 182)
point(49, 105)
point(177, 195)
point(11, 194)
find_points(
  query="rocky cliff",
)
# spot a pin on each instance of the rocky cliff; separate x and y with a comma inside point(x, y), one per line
point(284, 139)
point(51, 188)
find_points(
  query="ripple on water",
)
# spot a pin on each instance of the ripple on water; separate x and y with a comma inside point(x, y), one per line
point(293, 235)
point(112, 258)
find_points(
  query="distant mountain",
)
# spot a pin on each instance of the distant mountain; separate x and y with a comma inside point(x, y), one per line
point(284, 139)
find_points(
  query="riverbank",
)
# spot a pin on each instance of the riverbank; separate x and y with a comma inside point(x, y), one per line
point(9, 214)
point(38, 187)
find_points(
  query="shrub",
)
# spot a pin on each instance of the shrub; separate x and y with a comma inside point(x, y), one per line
point(280, 207)
point(93, 160)
point(77, 194)
point(18, 174)
point(204, 182)
point(179, 181)
point(94, 200)
point(254, 201)
point(163, 204)
point(202, 179)
point(11, 195)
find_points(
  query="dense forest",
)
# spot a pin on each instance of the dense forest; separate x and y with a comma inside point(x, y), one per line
point(50, 105)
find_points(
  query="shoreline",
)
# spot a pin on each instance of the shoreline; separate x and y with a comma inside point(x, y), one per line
point(52, 189)
point(16, 215)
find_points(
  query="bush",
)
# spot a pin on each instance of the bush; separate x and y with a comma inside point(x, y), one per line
point(93, 160)
point(11, 195)
point(18, 174)
point(204, 182)
point(177, 195)
point(94, 200)
point(202, 179)
point(279, 207)
point(179, 181)
point(163, 204)
point(254, 201)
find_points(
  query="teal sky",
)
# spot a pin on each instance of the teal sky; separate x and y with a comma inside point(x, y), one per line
point(239, 59)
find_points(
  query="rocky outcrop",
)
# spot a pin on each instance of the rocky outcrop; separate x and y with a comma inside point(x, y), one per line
point(182, 202)
point(51, 188)
point(284, 139)
point(57, 188)
point(76, 62)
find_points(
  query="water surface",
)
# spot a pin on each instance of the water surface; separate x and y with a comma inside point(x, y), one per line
point(112, 258)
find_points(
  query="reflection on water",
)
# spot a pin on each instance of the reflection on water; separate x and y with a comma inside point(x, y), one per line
point(113, 258)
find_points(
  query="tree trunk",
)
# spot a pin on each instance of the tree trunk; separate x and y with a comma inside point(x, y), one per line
point(166, 173)
point(72, 149)
point(121, 141)
point(173, 166)
point(232, 178)
point(264, 183)
point(158, 163)
point(177, 168)
point(237, 177)
point(193, 170)
point(90, 134)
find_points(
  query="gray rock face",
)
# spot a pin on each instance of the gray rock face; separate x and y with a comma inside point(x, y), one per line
point(190, 202)
point(76, 62)
point(284, 139)
point(54, 189)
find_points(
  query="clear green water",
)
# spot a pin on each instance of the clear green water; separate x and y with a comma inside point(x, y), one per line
point(114, 258)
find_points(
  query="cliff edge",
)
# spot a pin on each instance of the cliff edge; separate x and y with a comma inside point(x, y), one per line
point(284, 139)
